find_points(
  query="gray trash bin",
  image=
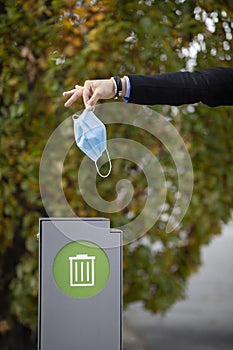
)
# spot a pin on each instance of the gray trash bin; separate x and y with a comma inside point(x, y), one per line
point(80, 285)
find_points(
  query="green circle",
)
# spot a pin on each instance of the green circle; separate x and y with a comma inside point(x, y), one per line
point(81, 269)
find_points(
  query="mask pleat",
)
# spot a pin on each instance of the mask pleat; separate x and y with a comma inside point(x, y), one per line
point(90, 135)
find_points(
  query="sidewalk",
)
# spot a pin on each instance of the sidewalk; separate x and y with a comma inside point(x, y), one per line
point(204, 321)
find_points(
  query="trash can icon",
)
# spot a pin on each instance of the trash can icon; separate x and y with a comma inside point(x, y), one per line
point(82, 270)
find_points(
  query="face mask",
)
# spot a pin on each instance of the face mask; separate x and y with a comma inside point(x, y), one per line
point(90, 136)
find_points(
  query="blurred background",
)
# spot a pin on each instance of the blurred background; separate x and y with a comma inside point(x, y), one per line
point(46, 48)
point(203, 320)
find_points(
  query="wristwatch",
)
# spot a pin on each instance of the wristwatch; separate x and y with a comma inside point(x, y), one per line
point(117, 86)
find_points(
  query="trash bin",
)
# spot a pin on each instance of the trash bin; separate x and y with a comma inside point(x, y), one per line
point(80, 284)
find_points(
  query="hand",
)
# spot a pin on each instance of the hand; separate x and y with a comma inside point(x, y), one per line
point(92, 91)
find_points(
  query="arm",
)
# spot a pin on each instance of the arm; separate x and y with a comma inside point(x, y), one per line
point(213, 86)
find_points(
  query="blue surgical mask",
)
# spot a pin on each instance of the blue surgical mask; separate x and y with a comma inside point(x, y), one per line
point(90, 136)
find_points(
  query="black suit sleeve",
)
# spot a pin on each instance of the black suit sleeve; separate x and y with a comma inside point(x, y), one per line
point(213, 86)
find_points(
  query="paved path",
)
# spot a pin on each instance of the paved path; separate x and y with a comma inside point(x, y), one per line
point(204, 321)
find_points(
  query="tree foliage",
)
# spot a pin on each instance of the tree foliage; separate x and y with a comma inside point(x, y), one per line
point(48, 47)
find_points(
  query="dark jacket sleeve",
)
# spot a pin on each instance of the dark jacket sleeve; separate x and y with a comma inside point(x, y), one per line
point(213, 86)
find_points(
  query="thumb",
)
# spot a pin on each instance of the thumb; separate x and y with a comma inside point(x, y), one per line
point(93, 100)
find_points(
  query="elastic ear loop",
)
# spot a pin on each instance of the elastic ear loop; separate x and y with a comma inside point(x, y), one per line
point(110, 166)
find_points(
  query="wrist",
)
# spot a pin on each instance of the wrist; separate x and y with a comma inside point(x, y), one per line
point(112, 88)
point(123, 82)
point(119, 86)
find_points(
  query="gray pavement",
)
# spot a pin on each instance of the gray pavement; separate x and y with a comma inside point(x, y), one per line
point(204, 321)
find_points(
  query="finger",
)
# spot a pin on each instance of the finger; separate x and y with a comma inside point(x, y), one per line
point(87, 91)
point(68, 93)
point(74, 97)
point(71, 100)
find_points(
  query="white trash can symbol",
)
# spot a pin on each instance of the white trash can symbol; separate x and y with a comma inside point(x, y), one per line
point(82, 270)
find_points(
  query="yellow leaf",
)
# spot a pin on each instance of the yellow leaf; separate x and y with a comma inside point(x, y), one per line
point(99, 16)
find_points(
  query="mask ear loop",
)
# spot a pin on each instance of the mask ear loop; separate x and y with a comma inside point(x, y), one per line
point(110, 166)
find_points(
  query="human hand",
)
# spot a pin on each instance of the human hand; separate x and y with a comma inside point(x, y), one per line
point(92, 91)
